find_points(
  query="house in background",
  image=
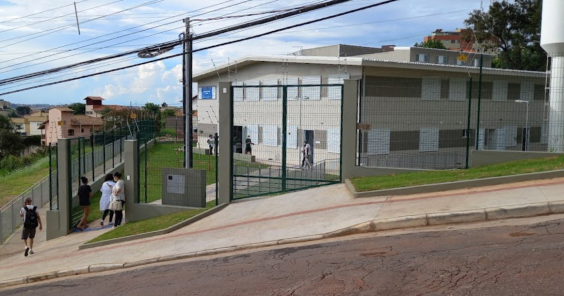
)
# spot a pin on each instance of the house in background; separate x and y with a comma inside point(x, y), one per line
point(95, 108)
point(20, 124)
point(63, 124)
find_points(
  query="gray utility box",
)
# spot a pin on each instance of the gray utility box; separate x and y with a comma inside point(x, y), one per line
point(184, 187)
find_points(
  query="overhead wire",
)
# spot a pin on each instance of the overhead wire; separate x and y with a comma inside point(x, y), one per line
point(41, 12)
point(208, 47)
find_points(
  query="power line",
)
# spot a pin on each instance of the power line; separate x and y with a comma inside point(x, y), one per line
point(208, 47)
point(29, 15)
point(40, 58)
point(296, 11)
point(57, 29)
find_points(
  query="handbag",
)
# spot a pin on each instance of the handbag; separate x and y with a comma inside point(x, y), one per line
point(115, 204)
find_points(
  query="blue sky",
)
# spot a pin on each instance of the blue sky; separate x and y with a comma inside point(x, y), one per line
point(39, 42)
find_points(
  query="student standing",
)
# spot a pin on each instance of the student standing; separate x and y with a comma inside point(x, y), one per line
point(118, 194)
point(248, 143)
point(211, 144)
point(106, 190)
point(31, 220)
point(306, 151)
point(84, 195)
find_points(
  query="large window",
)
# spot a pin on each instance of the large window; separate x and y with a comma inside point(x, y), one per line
point(457, 89)
point(312, 93)
point(499, 91)
point(378, 141)
point(252, 94)
point(442, 59)
point(269, 93)
point(270, 135)
point(70, 132)
point(292, 91)
point(238, 92)
point(334, 93)
point(527, 91)
point(429, 139)
point(334, 140)
point(422, 58)
point(431, 88)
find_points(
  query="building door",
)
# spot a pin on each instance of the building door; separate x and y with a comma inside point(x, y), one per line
point(238, 139)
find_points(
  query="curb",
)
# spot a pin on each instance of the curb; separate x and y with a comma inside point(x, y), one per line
point(155, 233)
point(488, 214)
point(475, 183)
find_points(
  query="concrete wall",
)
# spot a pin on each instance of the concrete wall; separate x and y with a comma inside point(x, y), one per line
point(481, 158)
point(135, 211)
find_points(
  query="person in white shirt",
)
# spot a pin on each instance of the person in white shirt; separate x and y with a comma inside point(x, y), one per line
point(30, 212)
point(106, 190)
point(211, 144)
point(306, 152)
point(119, 194)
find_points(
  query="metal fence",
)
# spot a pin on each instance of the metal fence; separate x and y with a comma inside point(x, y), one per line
point(434, 119)
point(41, 194)
point(163, 149)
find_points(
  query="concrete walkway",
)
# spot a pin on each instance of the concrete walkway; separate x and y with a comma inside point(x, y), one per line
point(262, 221)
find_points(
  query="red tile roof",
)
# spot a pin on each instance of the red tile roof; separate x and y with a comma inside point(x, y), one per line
point(94, 98)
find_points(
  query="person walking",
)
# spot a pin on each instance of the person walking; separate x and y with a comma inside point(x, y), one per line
point(306, 152)
point(211, 144)
point(106, 190)
point(84, 195)
point(248, 143)
point(31, 220)
point(118, 194)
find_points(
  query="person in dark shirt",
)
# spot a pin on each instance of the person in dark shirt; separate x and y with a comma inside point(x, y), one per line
point(248, 143)
point(84, 195)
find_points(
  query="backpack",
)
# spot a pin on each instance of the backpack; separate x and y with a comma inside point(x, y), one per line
point(30, 221)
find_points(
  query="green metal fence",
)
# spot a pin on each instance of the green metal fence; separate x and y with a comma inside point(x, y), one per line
point(285, 138)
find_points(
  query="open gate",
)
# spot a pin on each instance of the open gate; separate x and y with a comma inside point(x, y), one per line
point(285, 138)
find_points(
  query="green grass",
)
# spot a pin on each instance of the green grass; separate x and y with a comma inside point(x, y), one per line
point(153, 224)
point(165, 155)
point(432, 177)
point(15, 183)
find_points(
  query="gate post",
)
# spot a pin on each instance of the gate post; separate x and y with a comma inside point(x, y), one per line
point(225, 167)
point(58, 221)
point(349, 132)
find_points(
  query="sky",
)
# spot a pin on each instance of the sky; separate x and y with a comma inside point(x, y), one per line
point(38, 35)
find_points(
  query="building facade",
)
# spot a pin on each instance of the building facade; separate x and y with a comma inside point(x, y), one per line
point(63, 124)
point(414, 114)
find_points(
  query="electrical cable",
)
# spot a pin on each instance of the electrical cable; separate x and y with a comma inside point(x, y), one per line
point(208, 47)
point(29, 15)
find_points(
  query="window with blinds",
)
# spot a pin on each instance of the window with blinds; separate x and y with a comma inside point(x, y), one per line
point(312, 93)
point(334, 140)
point(378, 141)
point(292, 92)
point(270, 135)
point(252, 94)
point(431, 88)
point(499, 93)
point(527, 91)
point(238, 93)
point(253, 131)
point(457, 89)
point(292, 137)
point(333, 93)
point(429, 139)
point(269, 93)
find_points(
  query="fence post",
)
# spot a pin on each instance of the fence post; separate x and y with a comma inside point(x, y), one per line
point(79, 172)
point(479, 104)
point(13, 216)
point(113, 148)
point(1, 234)
point(468, 122)
point(92, 153)
point(104, 150)
point(50, 180)
point(284, 134)
point(84, 157)
point(146, 152)
point(216, 171)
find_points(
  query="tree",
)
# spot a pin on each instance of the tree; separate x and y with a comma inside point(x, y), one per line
point(169, 112)
point(78, 108)
point(431, 43)
point(6, 124)
point(152, 108)
point(514, 28)
point(23, 110)
point(12, 114)
point(10, 142)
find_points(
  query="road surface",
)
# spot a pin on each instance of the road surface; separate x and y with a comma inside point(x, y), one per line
point(506, 260)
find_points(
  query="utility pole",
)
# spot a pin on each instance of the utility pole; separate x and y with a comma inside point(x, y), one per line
point(188, 128)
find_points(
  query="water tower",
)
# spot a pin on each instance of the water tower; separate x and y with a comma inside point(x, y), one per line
point(552, 40)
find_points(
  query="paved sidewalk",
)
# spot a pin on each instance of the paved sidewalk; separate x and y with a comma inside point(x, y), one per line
point(255, 221)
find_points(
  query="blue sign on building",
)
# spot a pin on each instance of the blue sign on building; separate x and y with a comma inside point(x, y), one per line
point(207, 93)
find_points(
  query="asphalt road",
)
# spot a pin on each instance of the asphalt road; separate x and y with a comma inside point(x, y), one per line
point(508, 260)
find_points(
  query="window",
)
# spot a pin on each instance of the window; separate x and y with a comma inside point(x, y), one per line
point(464, 134)
point(270, 135)
point(476, 63)
point(429, 139)
point(238, 92)
point(70, 132)
point(527, 91)
point(442, 59)
point(292, 137)
point(312, 93)
point(510, 135)
point(453, 41)
point(422, 58)
point(460, 62)
point(499, 93)
point(253, 131)
point(269, 93)
point(378, 141)
point(292, 91)
point(334, 140)
point(82, 130)
point(431, 88)
point(457, 89)
point(334, 93)
point(252, 94)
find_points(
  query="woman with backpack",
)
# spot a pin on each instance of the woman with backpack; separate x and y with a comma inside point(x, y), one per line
point(106, 190)
point(84, 195)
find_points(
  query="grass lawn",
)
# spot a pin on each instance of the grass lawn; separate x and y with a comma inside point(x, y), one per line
point(15, 183)
point(153, 224)
point(166, 155)
point(432, 177)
